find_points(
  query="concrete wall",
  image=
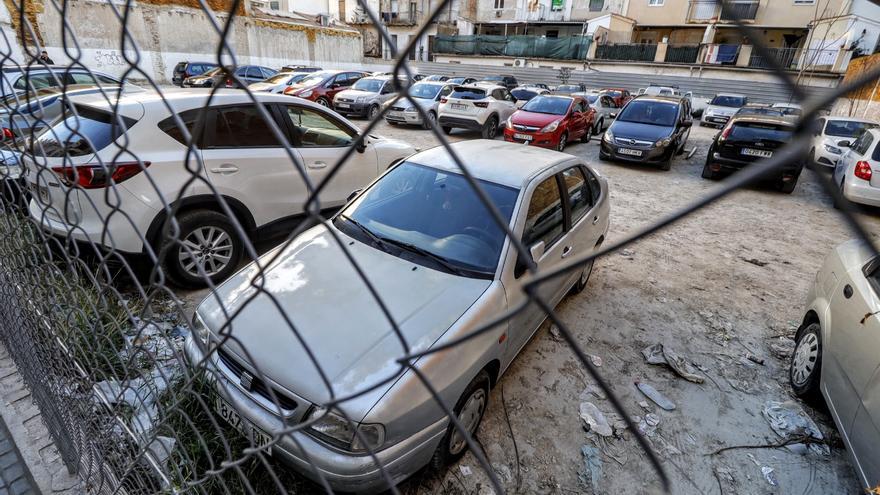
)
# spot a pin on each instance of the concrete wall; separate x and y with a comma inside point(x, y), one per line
point(167, 34)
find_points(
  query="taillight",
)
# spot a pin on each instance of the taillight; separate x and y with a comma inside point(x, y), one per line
point(443, 100)
point(229, 82)
point(726, 132)
point(7, 133)
point(863, 170)
point(95, 176)
point(481, 104)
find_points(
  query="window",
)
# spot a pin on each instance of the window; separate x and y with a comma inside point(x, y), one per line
point(189, 118)
point(593, 183)
point(499, 4)
point(544, 218)
point(37, 81)
point(597, 5)
point(804, 2)
point(267, 72)
point(655, 3)
point(315, 130)
point(445, 91)
point(87, 132)
point(274, 6)
point(254, 73)
point(579, 197)
point(552, 33)
point(240, 127)
point(863, 143)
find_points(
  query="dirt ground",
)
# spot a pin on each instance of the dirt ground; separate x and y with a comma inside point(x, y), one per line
point(726, 282)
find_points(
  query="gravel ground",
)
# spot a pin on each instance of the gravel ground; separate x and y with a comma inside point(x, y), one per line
point(726, 282)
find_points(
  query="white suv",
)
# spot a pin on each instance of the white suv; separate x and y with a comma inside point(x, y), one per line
point(478, 107)
point(235, 156)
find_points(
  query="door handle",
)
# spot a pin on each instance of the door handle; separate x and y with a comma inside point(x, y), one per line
point(226, 168)
point(595, 220)
point(318, 164)
point(847, 291)
point(566, 251)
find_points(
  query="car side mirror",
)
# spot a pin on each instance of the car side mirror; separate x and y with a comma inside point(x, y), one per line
point(353, 195)
point(361, 147)
point(522, 265)
point(335, 86)
point(845, 143)
point(613, 115)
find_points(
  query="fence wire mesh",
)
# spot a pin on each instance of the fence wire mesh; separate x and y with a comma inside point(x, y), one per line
point(140, 394)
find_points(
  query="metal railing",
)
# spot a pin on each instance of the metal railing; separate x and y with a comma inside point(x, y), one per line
point(634, 52)
point(786, 58)
point(682, 54)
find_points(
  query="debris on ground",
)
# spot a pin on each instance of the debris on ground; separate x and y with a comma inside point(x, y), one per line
point(596, 360)
point(755, 359)
point(648, 425)
point(660, 354)
point(769, 475)
point(627, 253)
point(592, 390)
point(789, 419)
point(592, 467)
point(554, 333)
point(465, 470)
point(658, 398)
point(783, 347)
point(644, 405)
point(594, 419)
point(754, 261)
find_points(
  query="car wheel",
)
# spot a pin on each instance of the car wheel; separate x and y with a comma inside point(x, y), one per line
point(429, 122)
point(207, 240)
point(838, 203)
point(588, 134)
point(708, 173)
point(373, 112)
point(563, 140)
point(806, 363)
point(667, 163)
point(324, 102)
point(813, 156)
point(469, 411)
point(447, 130)
point(491, 128)
point(391, 122)
point(788, 187)
point(581, 283)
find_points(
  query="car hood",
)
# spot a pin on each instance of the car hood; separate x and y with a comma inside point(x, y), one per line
point(260, 86)
point(334, 312)
point(719, 110)
point(639, 131)
point(199, 78)
point(354, 93)
point(524, 117)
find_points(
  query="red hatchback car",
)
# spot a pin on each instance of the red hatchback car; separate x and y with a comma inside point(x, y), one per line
point(322, 86)
point(619, 95)
point(551, 121)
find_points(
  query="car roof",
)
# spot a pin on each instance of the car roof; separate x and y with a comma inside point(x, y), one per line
point(786, 105)
point(730, 94)
point(485, 86)
point(763, 119)
point(849, 119)
point(501, 162)
point(660, 98)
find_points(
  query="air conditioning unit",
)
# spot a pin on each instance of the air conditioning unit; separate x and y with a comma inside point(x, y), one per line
point(497, 13)
point(520, 62)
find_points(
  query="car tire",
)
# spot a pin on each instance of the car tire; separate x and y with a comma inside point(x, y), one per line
point(599, 127)
point(429, 122)
point(490, 129)
point(680, 150)
point(447, 130)
point(583, 279)
point(391, 122)
point(563, 140)
point(215, 229)
point(813, 156)
point(469, 414)
point(708, 173)
point(787, 187)
point(324, 102)
point(588, 134)
point(666, 164)
point(805, 369)
point(372, 112)
point(838, 203)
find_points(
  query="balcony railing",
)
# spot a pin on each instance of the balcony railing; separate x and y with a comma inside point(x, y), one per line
point(709, 10)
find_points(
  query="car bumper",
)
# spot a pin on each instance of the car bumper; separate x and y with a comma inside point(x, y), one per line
point(826, 159)
point(649, 155)
point(460, 122)
point(714, 120)
point(91, 231)
point(541, 139)
point(343, 472)
point(726, 165)
point(403, 117)
point(861, 191)
point(359, 109)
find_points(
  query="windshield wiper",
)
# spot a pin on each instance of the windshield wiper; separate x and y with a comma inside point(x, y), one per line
point(369, 233)
point(440, 260)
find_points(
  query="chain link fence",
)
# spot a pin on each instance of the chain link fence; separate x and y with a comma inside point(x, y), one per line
point(140, 394)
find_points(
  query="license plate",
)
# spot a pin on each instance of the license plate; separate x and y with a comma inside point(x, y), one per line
point(719, 120)
point(343, 105)
point(627, 151)
point(459, 106)
point(230, 415)
point(525, 137)
point(754, 152)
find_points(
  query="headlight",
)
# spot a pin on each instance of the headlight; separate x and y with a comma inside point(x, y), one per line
point(199, 329)
point(509, 123)
point(410, 110)
point(360, 99)
point(305, 93)
point(709, 111)
point(663, 143)
point(833, 149)
point(338, 431)
point(552, 126)
point(608, 137)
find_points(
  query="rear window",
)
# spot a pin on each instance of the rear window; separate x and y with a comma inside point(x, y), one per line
point(754, 131)
point(468, 93)
point(523, 94)
point(180, 67)
point(83, 134)
point(846, 128)
point(728, 101)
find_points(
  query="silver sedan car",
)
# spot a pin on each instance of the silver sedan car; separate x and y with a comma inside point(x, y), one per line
point(425, 94)
point(837, 351)
point(314, 334)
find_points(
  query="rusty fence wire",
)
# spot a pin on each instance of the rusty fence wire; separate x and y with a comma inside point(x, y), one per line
point(130, 383)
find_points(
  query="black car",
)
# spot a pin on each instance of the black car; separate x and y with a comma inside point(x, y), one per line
point(507, 81)
point(300, 68)
point(759, 109)
point(748, 138)
point(649, 129)
point(185, 69)
point(221, 77)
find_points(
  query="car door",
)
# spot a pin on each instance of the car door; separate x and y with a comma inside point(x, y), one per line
point(541, 221)
point(321, 139)
point(387, 92)
point(506, 103)
point(684, 116)
point(581, 191)
point(577, 123)
point(244, 161)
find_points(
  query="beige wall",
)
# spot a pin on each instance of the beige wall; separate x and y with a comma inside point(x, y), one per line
point(580, 9)
point(777, 13)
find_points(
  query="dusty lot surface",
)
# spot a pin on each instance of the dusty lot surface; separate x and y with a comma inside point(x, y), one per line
point(726, 282)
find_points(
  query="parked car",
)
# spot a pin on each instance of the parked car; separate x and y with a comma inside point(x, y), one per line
point(462, 80)
point(759, 109)
point(659, 90)
point(833, 135)
point(366, 96)
point(792, 109)
point(537, 85)
point(17, 80)
point(649, 129)
point(858, 170)
point(480, 107)
point(699, 105)
point(570, 89)
point(526, 93)
point(300, 68)
point(606, 111)
point(721, 109)
point(222, 77)
point(186, 69)
point(240, 159)
point(551, 121)
point(279, 82)
point(427, 95)
point(621, 96)
point(748, 138)
point(506, 81)
point(432, 251)
point(436, 78)
point(836, 356)
point(321, 87)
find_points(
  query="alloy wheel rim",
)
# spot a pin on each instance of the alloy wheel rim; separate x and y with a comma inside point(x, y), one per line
point(207, 247)
point(561, 145)
point(805, 359)
point(585, 275)
point(323, 103)
point(493, 128)
point(469, 417)
point(373, 112)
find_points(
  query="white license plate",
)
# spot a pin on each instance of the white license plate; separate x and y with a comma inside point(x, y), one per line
point(459, 106)
point(343, 105)
point(398, 115)
point(231, 416)
point(754, 152)
point(525, 137)
point(627, 151)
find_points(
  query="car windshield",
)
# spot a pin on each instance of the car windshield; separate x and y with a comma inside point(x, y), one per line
point(758, 131)
point(457, 80)
point(567, 88)
point(279, 78)
point(316, 78)
point(369, 85)
point(846, 128)
point(728, 101)
point(435, 78)
point(614, 94)
point(547, 104)
point(592, 98)
point(649, 112)
point(83, 134)
point(426, 91)
point(215, 70)
point(797, 112)
point(433, 216)
point(759, 111)
point(493, 78)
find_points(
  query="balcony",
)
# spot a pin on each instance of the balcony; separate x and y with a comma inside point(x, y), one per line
point(403, 17)
point(704, 11)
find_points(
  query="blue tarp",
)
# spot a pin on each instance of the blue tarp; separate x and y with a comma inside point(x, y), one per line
point(727, 54)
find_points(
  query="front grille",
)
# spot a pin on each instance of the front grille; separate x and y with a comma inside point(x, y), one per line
point(633, 142)
point(346, 100)
point(398, 109)
point(527, 128)
point(257, 385)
